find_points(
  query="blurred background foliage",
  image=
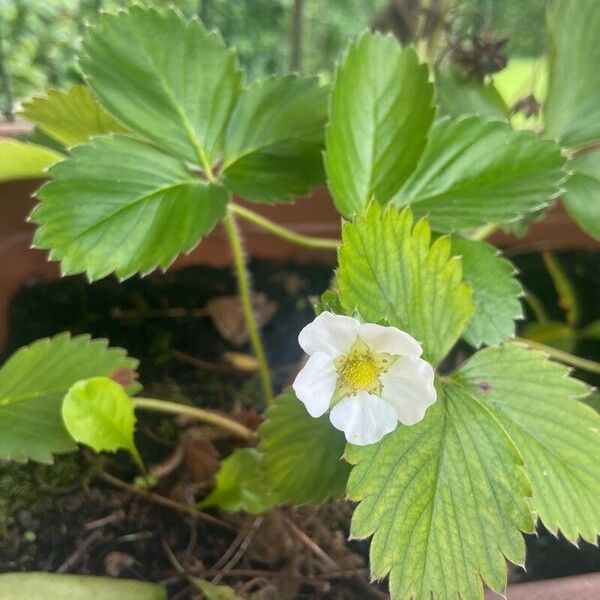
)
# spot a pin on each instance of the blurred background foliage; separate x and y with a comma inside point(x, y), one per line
point(39, 39)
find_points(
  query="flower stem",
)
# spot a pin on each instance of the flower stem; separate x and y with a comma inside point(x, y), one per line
point(283, 232)
point(200, 414)
point(560, 355)
point(243, 278)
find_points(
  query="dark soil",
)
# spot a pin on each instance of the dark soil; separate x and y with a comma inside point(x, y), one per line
point(68, 518)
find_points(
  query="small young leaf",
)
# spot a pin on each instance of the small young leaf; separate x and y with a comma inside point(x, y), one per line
point(33, 382)
point(50, 586)
point(558, 437)
point(496, 292)
point(475, 172)
point(164, 77)
point(119, 205)
point(70, 117)
point(241, 484)
point(572, 108)
point(390, 272)
point(275, 139)
point(444, 500)
point(98, 412)
point(582, 196)
point(302, 455)
point(379, 115)
point(20, 160)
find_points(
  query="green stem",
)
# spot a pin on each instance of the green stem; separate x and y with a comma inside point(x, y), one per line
point(565, 357)
point(483, 232)
point(243, 278)
point(283, 232)
point(200, 414)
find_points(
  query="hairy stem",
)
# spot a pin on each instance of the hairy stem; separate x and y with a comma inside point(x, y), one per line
point(284, 233)
point(200, 414)
point(243, 278)
point(569, 359)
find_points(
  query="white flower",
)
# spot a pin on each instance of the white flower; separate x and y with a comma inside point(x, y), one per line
point(370, 377)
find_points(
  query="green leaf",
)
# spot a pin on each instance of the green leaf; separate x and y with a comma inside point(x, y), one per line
point(572, 109)
point(379, 115)
point(48, 586)
point(475, 172)
point(33, 382)
point(70, 117)
point(496, 292)
point(582, 196)
point(457, 96)
point(98, 412)
point(164, 77)
point(558, 437)
point(215, 592)
point(241, 484)
point(275, 139)
point(120, 205)
point(19, 160)
point(389, 271)
point(444, 500)
point(302, 454)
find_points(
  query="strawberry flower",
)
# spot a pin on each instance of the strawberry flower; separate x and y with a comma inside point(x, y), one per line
point(368, 376)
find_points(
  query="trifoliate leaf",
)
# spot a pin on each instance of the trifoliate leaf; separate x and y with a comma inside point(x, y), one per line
point(164, 77)
point(241, 484)
point(390, 271)
point(33, 383)
point(48, 586)
point(496, 292)
point(444, 500)
point(303, 455)
point(119, 205)
point(70, 117)
point(20, 160)
point(458, 96)
point(98, 412)
point(572, 108)
point(558, 437)
point(379, 115)
point(475, 172)
point(582, 195)
point(275, 138)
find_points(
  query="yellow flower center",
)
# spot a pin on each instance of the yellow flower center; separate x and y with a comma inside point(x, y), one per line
point(361, 371)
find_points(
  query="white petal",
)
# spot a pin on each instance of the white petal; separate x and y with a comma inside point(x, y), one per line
point(390, 340)
point(329, 333)
point(315, 384)
point(364, 418)
point(408, 387)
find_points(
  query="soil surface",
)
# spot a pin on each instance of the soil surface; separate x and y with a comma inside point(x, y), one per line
point(78, 517)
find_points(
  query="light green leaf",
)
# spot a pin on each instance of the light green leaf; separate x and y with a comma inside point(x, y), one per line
point(379, 114)
point(164, 77)
point(457, 96)
point(20, 160)
point(275, 139)
point(572, 109)
point(475, 172)
point(559, 437)
point(444, 500)
point(120, 205)
point(71, 117)
point(50, 586)
point(582, 196)
point(302, 454)
point(496, 292)
point(389, 271)
point(33, 382)
point(98, 412)
point(215, 592)
point(241, 484)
